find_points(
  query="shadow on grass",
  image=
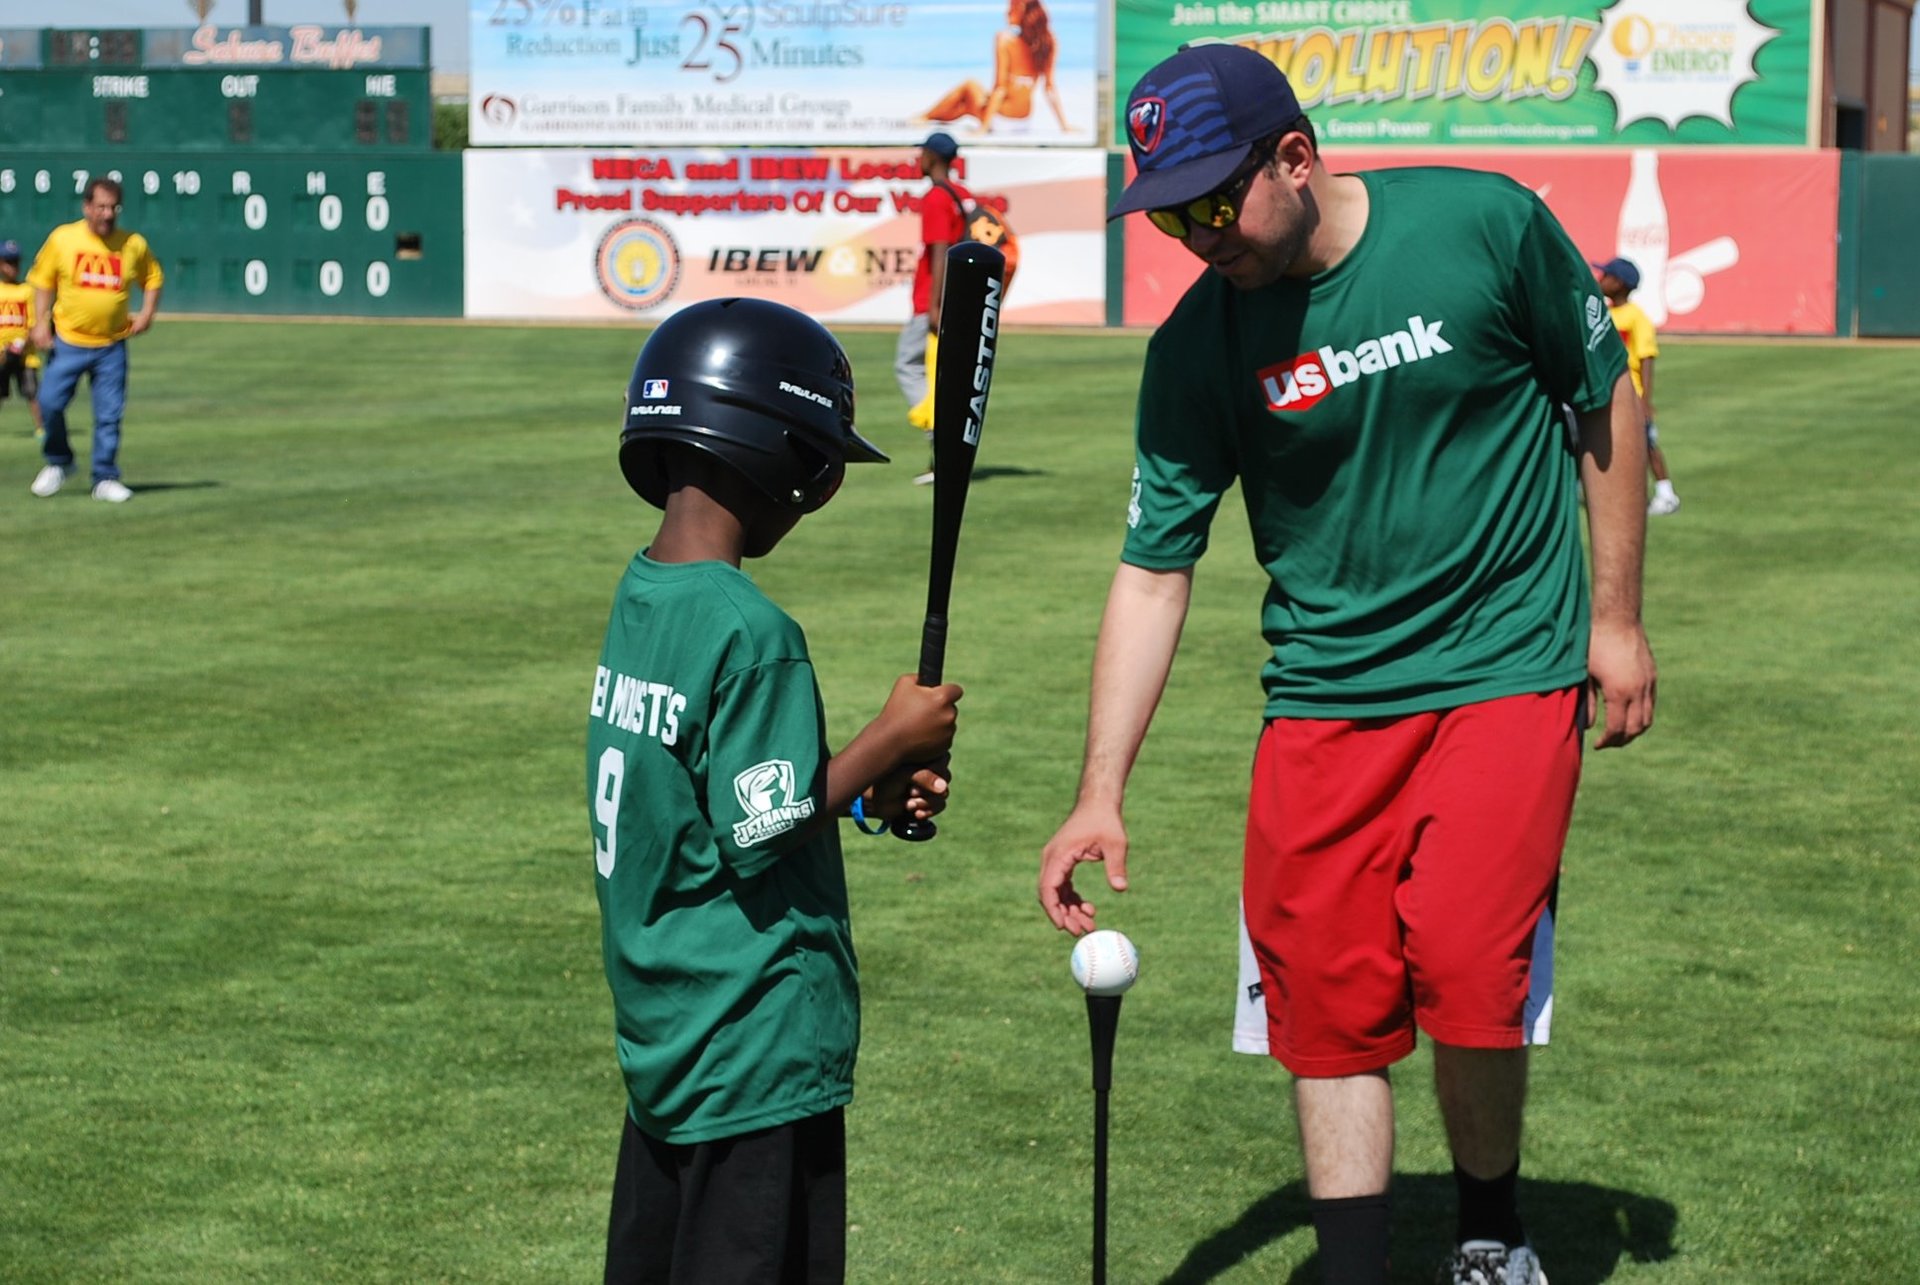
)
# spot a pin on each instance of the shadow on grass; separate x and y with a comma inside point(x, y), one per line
point(146, 488)
point(990, 471)
point(1582, 1231)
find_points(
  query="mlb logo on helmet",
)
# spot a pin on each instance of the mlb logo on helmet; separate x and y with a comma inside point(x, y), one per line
point(653, 389)
point(1146, 123)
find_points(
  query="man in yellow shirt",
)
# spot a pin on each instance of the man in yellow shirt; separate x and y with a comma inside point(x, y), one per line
point(1619, 278)
point(19, 361)
point(82, 280)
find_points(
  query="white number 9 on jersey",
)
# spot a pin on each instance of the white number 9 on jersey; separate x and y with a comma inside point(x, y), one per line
point(606, 807)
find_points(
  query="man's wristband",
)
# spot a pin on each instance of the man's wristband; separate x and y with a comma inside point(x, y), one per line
point(860, 819)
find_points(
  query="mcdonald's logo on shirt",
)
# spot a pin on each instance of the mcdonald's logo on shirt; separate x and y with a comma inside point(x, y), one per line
point(93, 271)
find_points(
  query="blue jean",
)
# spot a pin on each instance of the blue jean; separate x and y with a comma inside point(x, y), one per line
point(107, 370)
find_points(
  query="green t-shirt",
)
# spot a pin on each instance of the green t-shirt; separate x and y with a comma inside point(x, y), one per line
point(727, 944)
point(1395, 424)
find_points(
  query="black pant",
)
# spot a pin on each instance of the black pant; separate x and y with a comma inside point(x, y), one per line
point(765, 1208)
point(14, 370)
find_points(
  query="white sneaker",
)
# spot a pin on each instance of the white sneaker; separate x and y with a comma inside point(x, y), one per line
point(925, 479)
point(1488, 1262)
point(49, 480)
point(1661, 505)
point(112, 490)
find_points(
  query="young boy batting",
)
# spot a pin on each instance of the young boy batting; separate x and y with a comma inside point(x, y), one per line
point(1619, 278)
point(713, 802)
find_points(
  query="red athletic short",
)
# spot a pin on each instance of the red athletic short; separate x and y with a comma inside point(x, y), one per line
point(1401, 871)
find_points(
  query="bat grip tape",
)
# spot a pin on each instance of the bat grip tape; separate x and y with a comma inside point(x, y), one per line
point(933, 650)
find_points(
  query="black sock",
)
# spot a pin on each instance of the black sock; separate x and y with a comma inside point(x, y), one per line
point(1489, 1208)
point(1353, 1239)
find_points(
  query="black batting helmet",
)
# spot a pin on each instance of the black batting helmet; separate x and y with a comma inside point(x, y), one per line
point(762, 387)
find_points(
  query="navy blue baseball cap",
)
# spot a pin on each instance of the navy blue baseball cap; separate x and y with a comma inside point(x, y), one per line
point(942, 145)
point(1622, 268)
point(10, 251)
point(1195, 117)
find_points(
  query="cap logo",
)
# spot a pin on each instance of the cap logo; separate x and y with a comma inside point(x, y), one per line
point(1147, 124)
point(653, 389)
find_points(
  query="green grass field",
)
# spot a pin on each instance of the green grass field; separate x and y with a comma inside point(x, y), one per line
point(299, 973)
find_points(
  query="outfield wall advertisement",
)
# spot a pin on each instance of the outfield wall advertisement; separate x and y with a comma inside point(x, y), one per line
point(1712, 258)
point(1486, 73)
point(618, 72)
point(619, 233)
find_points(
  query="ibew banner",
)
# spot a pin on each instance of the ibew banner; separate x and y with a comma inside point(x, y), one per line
point(547, 72)
point(1505, 72)
point(638, 234)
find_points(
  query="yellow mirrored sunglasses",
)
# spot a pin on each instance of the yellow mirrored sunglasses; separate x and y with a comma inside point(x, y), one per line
point(1220, 208)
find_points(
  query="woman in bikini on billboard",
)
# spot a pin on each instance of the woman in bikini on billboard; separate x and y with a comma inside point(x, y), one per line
point(1022, 58)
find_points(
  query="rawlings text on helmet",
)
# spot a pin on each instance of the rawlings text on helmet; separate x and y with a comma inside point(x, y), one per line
point(807, 393)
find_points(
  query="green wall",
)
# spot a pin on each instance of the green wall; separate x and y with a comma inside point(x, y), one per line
point(1887, 246)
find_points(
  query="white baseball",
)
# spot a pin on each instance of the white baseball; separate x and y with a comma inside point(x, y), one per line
point(1105, 963)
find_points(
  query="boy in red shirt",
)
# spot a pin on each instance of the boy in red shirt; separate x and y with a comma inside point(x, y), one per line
point(942, 224)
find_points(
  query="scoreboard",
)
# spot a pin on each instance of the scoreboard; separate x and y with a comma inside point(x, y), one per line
point(215, 110)
point(283, 170)
point(311, 234)
point(269, 88)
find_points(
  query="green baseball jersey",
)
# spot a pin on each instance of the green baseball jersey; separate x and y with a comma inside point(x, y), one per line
point(1396, 428)
point(727, 945)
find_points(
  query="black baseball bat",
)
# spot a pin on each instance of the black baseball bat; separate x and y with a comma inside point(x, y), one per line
point(962, 377)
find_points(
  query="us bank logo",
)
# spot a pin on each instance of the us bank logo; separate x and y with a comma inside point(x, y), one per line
point(637, 264)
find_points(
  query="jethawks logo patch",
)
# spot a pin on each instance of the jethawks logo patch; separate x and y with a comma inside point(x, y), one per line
point(1598, 322)
point(1147, 124)
point(766, 795)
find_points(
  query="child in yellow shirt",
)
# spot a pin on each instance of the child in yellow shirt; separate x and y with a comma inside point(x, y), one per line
point(1619, 278)
point(19, 359)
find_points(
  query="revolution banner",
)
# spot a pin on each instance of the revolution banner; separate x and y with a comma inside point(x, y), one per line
point(1510, 72)
point(1726, 242)
point(839, 72)
point(632, 234)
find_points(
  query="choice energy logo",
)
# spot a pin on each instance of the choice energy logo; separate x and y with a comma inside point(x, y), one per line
point(1677, 61)
point(1298, 384)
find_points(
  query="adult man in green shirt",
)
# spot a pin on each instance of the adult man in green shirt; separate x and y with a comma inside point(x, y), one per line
point(1379, 360)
